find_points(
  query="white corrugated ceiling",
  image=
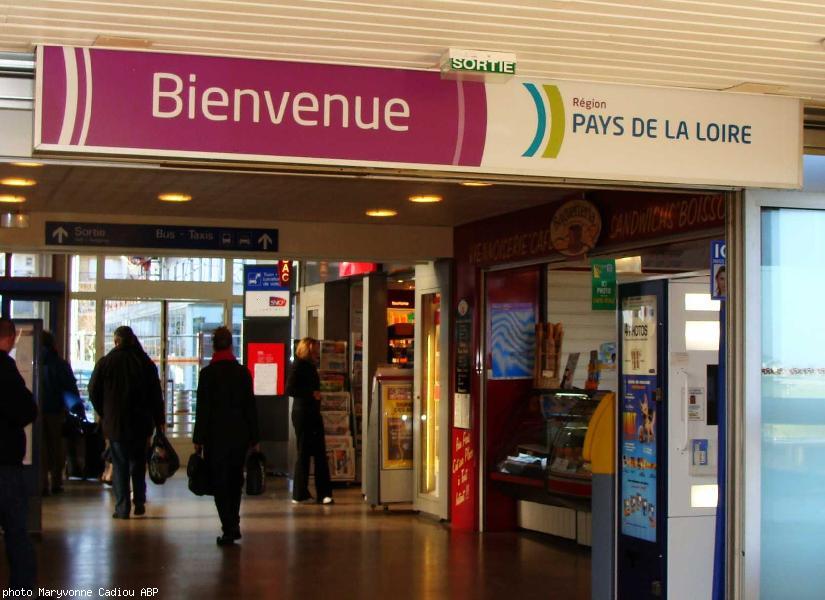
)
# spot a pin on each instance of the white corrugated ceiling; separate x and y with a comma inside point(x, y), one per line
point(700, 44)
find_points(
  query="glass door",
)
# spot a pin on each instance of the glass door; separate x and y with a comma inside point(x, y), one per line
point(430, 372)
point(189, 326)
point(431, 415)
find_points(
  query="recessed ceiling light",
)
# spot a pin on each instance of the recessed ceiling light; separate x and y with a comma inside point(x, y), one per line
point(426, 198)
point(174, 197)
point(476, 183)
point(18, 182)
point(381, 212)
point(27, 164)
point(399, 280)
point(11, 199)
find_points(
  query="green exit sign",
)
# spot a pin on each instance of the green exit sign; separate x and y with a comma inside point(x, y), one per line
point(481, 64)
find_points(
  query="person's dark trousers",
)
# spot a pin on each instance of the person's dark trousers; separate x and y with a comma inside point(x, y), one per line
point(13, 521)
point(128, 463)
point(310, 444)
point(226, 472)
point(54, 454)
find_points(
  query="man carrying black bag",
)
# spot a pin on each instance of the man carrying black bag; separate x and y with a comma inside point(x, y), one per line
point(226, 427)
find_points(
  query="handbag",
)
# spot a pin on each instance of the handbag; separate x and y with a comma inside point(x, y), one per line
point(198, 473)
point(255, 474)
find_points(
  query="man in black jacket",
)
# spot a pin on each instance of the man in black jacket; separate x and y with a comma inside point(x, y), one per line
point(226, 426)
point(17, 410)
point(125, 391)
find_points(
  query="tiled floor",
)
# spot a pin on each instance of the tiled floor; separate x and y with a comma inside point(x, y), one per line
point(339, 552)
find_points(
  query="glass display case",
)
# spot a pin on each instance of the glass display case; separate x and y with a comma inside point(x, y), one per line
point(543, 459)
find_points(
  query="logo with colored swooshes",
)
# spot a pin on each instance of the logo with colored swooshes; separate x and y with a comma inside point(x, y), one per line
point(556, 109)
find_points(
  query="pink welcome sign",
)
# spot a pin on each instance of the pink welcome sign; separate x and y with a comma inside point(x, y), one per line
point(96, 101)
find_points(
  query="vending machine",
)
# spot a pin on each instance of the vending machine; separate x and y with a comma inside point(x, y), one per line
point(667, 439)
point(389, 451)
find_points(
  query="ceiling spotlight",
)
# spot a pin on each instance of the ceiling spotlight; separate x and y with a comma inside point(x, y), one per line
point(12, 199)
point(174, 197)
point(381, 212)
point(27, 164)
point(426, 199)
point(14, 220)
point(476, 184)
point(18, 182)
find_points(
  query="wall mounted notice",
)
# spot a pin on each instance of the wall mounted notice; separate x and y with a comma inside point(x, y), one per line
point(268, 367)
point(463, 347)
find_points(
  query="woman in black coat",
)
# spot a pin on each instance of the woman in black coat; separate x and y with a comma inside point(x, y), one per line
point(304, 386)
point(226, 427)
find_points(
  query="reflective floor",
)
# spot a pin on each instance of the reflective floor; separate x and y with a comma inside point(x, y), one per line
point(343, 551)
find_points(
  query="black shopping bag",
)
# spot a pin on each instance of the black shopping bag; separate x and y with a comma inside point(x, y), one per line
point(163, 460)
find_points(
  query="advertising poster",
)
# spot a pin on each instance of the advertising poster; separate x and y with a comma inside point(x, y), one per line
point(718, 270)
point(639, 335)
point(513, 340)
point(639, 458)
point(398, 428)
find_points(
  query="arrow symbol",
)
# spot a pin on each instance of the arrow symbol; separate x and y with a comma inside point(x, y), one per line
point(60, 233)
point(265, 241)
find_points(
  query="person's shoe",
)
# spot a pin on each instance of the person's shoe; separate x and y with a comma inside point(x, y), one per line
point(308, 500)
point(140, 510)
point(57, 490)
point(233, 535)
point(327, 500)
point(120, 516)
point(226, 540)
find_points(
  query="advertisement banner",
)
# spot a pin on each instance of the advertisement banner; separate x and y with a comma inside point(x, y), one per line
point(513, 335)
point(603, 296)
point(97, 101)
point(639, 327)
point(639, 457)
point(397, 405)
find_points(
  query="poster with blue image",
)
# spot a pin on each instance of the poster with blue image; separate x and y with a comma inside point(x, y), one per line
point(639, 457)
point(513, 339)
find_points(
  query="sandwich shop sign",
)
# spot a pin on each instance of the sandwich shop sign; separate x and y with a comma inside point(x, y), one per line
point(131, 103)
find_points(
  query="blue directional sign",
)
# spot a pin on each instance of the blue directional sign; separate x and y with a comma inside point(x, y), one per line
point(66, 233)
point(262, 278)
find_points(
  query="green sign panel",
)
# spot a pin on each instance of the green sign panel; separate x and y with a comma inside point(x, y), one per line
point(603, 271)
point(482, 65)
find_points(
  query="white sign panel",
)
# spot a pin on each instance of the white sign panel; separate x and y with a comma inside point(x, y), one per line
point(267, 303)
point(266, 379)
point(597, 131)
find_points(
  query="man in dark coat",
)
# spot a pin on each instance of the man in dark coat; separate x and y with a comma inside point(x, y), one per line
point(226, 427)
point(17, 410)
point(125, 391)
